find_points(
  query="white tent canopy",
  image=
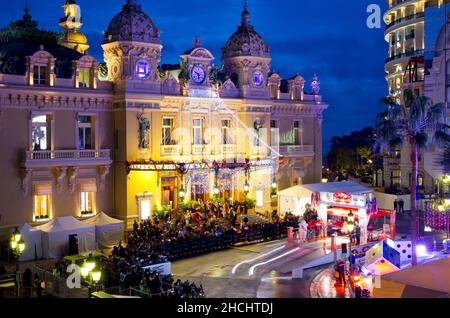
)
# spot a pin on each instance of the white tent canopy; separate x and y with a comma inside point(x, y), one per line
point(33, 246)
point(108, 231)
point(295, 198)
point(55, 238)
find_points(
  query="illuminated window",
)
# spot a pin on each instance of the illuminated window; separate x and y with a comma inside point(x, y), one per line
point(40, 128)
point(42, 201)
point(85, 133)
point(40, 75)
point(87, 202)
point(396, 178)
point(226, 134)
point(84, 78)
point(197, 131)
point(88, 189)
point(167, 131)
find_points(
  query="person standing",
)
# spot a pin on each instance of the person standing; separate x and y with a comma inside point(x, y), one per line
point(396, 205)
point(303, 229)
point(401, 206)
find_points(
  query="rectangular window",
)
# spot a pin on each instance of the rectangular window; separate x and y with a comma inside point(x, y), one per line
point(197, 131)
point(396, 178)
point(84, 78)
point(85, 133)
point(42, 201)
point(40, 130)
point(88, 188)
point(274, 133)
point(39, 75)
point(87, 202)
point(296, 132)
point(226, 133)
point(167, 131)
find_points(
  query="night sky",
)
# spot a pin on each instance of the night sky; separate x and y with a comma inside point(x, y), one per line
point(327, 37)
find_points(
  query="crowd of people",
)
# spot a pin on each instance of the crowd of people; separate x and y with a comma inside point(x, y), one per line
point(201, 227)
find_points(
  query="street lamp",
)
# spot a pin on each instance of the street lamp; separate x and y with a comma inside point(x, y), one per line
point(350, 225)
point(441, 206)
point(246, 188)
point(216, 190)
point(17, 245)
point(182, 193)
point(274, 187)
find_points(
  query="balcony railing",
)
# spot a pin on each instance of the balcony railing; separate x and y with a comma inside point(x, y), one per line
point(404, 55)
point(228, 149)
point(201, 150)
point(170, 150)
point(67, 157)
point(296, 150)
point(407, 18)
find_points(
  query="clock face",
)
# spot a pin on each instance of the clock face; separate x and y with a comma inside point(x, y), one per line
point(198, 74)
point(143, 70)
point(258, 78)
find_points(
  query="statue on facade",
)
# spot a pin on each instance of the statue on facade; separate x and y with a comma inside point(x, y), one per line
point(144, 128)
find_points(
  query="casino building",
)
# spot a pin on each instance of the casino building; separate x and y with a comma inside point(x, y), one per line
point(133, 134)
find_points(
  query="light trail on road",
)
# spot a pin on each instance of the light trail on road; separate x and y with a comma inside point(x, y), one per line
point(233, 271)
point(251, 271)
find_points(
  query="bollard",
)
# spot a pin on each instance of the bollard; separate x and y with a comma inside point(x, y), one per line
point(290, 234)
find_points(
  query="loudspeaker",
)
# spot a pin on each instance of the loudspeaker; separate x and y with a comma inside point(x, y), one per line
point(344, 248)
point(73, 244)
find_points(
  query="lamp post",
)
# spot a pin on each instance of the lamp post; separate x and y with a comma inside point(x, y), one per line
point(350, 226)
point(91, 275)
point(246, 188)
point(182, 193)
point(274, 187)
point(17, 245)
point(216, 190)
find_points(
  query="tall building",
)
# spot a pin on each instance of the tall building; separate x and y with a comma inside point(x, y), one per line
point(137, 135)
point(411, 49)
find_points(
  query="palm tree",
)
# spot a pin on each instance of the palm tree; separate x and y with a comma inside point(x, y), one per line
point(412, 123)
point(446, 159)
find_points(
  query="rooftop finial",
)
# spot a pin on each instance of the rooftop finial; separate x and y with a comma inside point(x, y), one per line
point(245, 15)
point(197, 42)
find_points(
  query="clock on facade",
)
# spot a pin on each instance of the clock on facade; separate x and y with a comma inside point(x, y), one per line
point(143, 70)
point(258, 78)
point(198, 74)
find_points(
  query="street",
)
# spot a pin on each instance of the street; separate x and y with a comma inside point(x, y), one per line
point(260, 271)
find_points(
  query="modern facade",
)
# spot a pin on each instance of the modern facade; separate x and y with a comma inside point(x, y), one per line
point(133, 135)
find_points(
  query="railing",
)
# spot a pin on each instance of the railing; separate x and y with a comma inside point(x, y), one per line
point(296, 149)
point(228, 149)
point(170, 150)
point(407, 18)
point(67, 154)
point(201, 150)
point(408, 54)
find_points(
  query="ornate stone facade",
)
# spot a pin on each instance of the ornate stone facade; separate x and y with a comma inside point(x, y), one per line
point(125, 138)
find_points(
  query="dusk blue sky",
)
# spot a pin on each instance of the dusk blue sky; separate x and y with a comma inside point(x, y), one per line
point(326, 37)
